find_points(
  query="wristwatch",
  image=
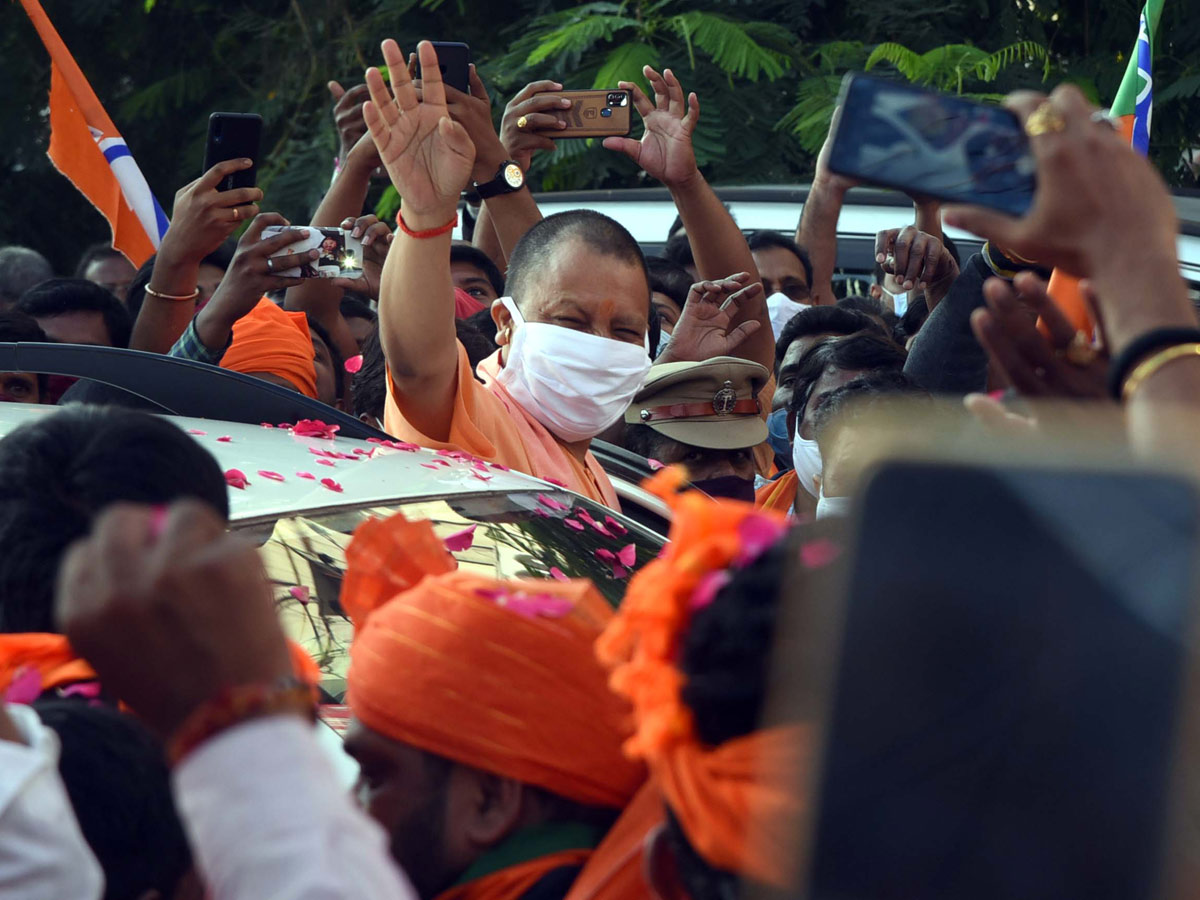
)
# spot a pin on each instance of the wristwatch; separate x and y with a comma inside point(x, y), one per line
point(508, 180)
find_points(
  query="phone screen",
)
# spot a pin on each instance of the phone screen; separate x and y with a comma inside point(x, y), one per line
point(925, 142)
point(1008, 690)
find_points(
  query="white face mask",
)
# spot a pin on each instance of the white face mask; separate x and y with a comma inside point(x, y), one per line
point(574, 383)
point(781, 308)
point(832, 507)
point(806, 459)
point(899, 301)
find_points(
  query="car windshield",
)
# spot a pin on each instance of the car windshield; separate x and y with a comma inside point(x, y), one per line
point(516, 535)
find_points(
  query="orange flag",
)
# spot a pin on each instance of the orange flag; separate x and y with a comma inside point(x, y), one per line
point(86, 147)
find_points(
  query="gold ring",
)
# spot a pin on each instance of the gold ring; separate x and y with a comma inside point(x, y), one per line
point(522, 122)
point(1081, 352)
point(237, 214)
point(1046, 119)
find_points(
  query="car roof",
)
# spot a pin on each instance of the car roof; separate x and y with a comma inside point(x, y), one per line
point(366, 472)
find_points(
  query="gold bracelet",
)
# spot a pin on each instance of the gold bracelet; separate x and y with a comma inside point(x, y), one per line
point(180, 297)
point(1148, 367)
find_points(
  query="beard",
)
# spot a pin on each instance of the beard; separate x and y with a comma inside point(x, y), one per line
point(419, 846)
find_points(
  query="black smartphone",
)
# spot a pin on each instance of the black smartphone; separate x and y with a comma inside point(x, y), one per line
point(926, 142)
point(454, 59)
point(1010, 686)
point(234, 136)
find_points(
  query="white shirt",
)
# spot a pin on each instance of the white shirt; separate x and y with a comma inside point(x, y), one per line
point(43, 855)
point(268, 817)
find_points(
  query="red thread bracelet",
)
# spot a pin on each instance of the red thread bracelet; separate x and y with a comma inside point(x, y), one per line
point(429, 232)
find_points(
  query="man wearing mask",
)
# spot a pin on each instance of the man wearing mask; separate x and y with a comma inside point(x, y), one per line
point(705, 416)
point(572, 333)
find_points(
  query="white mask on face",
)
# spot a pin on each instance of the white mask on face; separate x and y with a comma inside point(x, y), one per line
point(899, 302)
point(806, 459)
point(781, 308)
point(576, 384)
point(832, 507)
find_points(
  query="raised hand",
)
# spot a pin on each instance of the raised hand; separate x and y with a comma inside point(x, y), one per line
point(665, 150)
point(203, 217)
point(427, 154)
point(537, 103)
point(704, 330)
point(348, 115)
point(376, 237)
point(822, 175)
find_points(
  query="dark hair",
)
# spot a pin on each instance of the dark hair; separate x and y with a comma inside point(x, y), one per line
point(60, 296)
point(20, 269)
point(222, 257)
point(483, 322)
point(356, 306)
point(859, 398)
point(858, 352)
point(765, 240)
point(669, 278)
point(600, 233)
point(675, 226)
point(16, 327)
point(910, 323)
point(370, 382)
point(339, 362)
point(866, 305)
point(679, 251)
point(93, 253)
point(59, 472)
point(643, 440)
point(478, 346)
point(135, 294)
point(821, 320)
point(116, 775)
point(465, 253)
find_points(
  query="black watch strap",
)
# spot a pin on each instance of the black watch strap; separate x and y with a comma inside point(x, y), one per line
point(1141, 347)
point(509, 179)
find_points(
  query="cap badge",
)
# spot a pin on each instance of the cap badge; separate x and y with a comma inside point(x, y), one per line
point(725, 400)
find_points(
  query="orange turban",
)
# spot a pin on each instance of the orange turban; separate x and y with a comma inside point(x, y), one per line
point(496, 675)
point(268, 339)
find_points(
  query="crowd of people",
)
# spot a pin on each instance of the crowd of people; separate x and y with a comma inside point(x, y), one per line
point(517, 739)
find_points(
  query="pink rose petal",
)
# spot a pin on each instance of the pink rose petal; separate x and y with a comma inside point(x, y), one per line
point(655, 465)
point(620, 572)
point(362, 451)
point(708, 588)
point(615, 527)
point(326, 462)
point(25, 687)
point(481, 476)
point(561, 484)
point(197, 431)
point(225, 439)
point(301, 593)
point(819, 553)
point(604, 554)
point(583, 515)
point(430, 466)
point(315, 428)
point(500, 468)
point(571, 523)
point(332, 485)
point(309, 475)
point(265, 425)
point(273, 476)
point(354, 364)
point(758, 534)
point(236, 478)
point(540, 513)
point(460, 540)
point(558, 574)
point(628, 556)
point(600, 527)
point(551, 503)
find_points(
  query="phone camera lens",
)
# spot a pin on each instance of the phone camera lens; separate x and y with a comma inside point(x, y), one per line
point(618, 98)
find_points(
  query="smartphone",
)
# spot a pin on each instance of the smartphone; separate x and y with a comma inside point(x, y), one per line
point(595, 114)
point(234, 136)
point(341, 254)
point(454, 59)
point(925, 142)
point(1010, 686)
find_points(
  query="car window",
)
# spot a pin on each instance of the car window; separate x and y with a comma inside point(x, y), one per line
point(540, 535)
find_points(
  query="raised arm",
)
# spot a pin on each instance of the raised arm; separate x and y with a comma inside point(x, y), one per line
point(817, 231)
point(429, 158)
point(665, 152)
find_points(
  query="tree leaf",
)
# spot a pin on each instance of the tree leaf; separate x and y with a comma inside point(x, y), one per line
point(729, 45)
point(625, 63)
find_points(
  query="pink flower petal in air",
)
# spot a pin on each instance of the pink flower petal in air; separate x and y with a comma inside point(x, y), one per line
point(301, 593)
point(604, 555)
point(325, 462)
point(551, 503)
point(315, 428)
point(615, 527)
point(332, 485)
point(655, 465)
point(628, 556)
point(225, 439)
point(273, 476)
point(571, 523)
point(25, 687)
point(460, 540)
point(708, 588)
point(558, 574)
point(197, 431)
point(309, 475)
point(236, 478)
point(758, 534)
point(354, 364)
point(819, 553)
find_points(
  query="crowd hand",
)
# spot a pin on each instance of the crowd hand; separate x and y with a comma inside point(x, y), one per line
point(918, 260)
point(376, 237)
point(348, 115)
point(428, 155)
point(822, 175)
point(703, 331)
point(665, 150)
point(1062, 363)
point(203, 217)
point(192, 599)
point(530, 118)
point(474, 112)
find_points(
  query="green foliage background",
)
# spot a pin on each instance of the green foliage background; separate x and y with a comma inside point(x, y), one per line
point(766, 72)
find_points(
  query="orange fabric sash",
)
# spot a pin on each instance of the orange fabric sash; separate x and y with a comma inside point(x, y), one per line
point(779, 494)
point(616, 870)
point(512, 883)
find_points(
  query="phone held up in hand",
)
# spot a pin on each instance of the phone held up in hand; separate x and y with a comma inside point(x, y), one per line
point(925, 142)
point(454, 60)
point(595, 114)
point(234, 136)
point(341, 254)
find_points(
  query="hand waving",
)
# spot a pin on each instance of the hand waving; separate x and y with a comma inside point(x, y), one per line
point(427, 155)
point(703, 331)
point(665, 150)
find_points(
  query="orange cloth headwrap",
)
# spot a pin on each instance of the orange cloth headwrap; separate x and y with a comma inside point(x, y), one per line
point(738, 803)
point(495, 675)
point(268, 339)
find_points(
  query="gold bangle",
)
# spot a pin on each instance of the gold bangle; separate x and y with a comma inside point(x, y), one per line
point(181, 297)
point(1148, 367)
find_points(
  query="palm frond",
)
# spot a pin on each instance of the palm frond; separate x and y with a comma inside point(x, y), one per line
point(809, 118)
point(906, 61)
point(1183, 89)
point(729, 45)
point(579, 36)
point(1020, 52)
point(625, 63)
